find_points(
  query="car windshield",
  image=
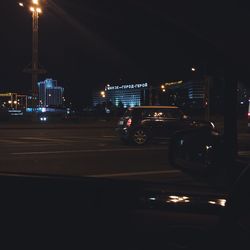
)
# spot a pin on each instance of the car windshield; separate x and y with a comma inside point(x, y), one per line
point(78, 79)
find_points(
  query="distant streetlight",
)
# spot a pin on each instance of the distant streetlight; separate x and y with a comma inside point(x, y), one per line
point(21, 4)
point(193, 69)
point(103, 94)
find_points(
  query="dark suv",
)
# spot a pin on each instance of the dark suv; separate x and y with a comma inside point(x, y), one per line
point(139, 124)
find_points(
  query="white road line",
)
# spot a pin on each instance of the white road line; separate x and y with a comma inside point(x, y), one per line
point(45, 139)
point(244, 153)
point(244, 134)
point(87, 151)
point(136, 173)
point(81, 138)
point(90, 137)
point(11, 141)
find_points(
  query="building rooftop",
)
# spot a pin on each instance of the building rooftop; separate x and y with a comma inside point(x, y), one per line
point(158, 107)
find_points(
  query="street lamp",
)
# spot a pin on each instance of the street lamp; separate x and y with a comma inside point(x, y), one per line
point(163, 88)
point(103, 94)
point(193, 69)
point(36, 9)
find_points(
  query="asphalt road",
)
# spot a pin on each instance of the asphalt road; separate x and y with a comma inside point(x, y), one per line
point(87, 152)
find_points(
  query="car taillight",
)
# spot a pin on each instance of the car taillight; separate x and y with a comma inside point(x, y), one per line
point(129, 122)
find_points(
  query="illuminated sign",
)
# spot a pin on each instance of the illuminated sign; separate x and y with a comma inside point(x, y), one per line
point(127, 86)
point(172, 83)
point(7, 94)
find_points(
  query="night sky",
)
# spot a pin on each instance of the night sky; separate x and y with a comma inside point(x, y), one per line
point(85, 44)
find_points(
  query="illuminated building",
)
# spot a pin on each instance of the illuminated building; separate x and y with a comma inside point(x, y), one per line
point(126, 95)
point(13, 101)
point(187, 94)
point(50, 95)
point(196, 90)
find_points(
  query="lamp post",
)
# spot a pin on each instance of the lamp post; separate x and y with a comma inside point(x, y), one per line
point(36, 10)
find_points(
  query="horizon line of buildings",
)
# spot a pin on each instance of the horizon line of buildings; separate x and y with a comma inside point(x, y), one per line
point(190, 95)
point(136, 94)
point(50, 95)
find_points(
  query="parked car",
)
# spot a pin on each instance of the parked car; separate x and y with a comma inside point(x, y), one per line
point(140, 124)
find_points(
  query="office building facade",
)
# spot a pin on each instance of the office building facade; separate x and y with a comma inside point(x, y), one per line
point(125, 95)
point(50, 95)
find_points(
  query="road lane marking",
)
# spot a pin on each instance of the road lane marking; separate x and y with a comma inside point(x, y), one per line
point(45, 139)
point(87, 151)
point(136, 173)
point(84, 138)
point(11, 141)
point(244, 135)
point(244, 153)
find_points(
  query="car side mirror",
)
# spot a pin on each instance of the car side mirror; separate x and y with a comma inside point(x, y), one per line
point(196, 151)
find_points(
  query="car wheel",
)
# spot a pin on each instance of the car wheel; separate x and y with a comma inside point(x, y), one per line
point(140, 137)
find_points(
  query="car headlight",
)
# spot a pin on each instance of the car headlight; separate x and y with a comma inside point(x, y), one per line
point(43, 119)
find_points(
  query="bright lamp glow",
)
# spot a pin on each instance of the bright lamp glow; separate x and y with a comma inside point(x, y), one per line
point(35, 2)
point(21, 4)
point(32, 9)
point(39, 10)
